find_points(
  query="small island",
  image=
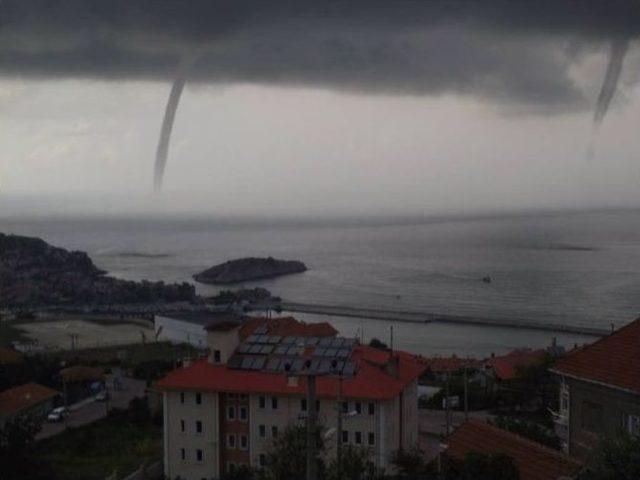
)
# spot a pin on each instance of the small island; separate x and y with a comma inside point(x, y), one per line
point(245, 269)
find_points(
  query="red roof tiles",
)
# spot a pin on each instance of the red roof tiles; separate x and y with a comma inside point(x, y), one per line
point(25, 396)
point(288, 327)
point(506, 367)
point(613, 360)
point(448, 364)
point(370, 381)
point(535, 461)
point(9, 356)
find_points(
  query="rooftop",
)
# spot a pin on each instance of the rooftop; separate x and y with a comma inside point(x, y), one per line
point(506, 366)
point(9, 356)
point(80, 373)
point(25, 396)
point(369, 380)
point(535, 461)
point(613, 360)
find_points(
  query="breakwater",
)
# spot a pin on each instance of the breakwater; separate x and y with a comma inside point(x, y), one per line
point(428, 317)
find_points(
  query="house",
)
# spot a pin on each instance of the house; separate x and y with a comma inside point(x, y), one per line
point(600, 390)
point(506, 368)
point(81, 382)
point(534, 461)
point(28, 399)
point(224, 411)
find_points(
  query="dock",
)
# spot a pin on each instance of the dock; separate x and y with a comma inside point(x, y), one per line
point(428, 317)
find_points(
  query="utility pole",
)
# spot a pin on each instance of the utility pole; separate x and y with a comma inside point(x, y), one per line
point(466, 395)
point(339, 432)
point(311, 428)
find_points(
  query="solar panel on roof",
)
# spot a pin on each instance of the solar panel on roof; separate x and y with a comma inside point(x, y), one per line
point(258, 363)
point(266, 349)
point(297, 365)
point(325, 341)
point(339, 367)
point(261, 330)
point(273, 364)
point(255, 348)
point(246, 363)
point(319, 352)
point(281, 349)
point(288, 340)
point(311, 341)
point(337, 342)
point(273, 339)
point(235, 361)
point(349, 369)
point(293, 350)
point(262, 339)
point(283, 365)
point(343, 353)
point(244, 348)
point(330, 352)
point(324, 366)
point(252, 338)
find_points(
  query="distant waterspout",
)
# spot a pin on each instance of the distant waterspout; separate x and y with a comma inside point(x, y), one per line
point(618, 51)
point(165, 133)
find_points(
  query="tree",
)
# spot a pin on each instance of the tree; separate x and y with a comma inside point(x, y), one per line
point(478, 466)
point(379, 344)
point(240, 473)
point(529, 430)
point(17, 456)
point(287, 459)
point(617, 459)
point(354, 465)
point(411, 465)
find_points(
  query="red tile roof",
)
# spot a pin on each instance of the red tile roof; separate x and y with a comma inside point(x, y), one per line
point(613, 360)
point(535, 461)
point(80, 373)
point(288, 327)
point(369, 382)
point(506, 367)
point(448, 364)
point(25, 396)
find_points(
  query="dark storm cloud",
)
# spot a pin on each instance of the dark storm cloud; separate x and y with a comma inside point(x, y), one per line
point(506, 51)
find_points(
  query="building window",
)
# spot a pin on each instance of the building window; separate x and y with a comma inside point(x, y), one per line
point(183, 454)
point(592, 416)
point(262, 402)
point(303, 404)
point(633, 425)
point(372, 438)
point(372, 408)
point(358, 438)
point(243, 413)
point(198, 426)
point(358, 407)
point(262, 431)
point(231, 412)
point(345, 407)
point(231, 441)
point(216, 356)
point(231, 467)
point(243, 396)
point(274, 403)
point(274, 431)
point(244, 442)
point(181, 397)
point(317, 405)
point(262, 460)
point(345, 436)
point(182, 426)
point(198, 398)
point(199, 455)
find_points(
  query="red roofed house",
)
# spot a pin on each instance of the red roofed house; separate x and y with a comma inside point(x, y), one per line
point(534, 461)
point(600, 390)
point(507, 367)
point(225, 411)
point(30, 398)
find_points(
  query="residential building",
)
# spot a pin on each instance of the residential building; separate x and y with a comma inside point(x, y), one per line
point(190, 327)
point(28, 399)
point(534, 461)
point(600, 390)
point(225, 411)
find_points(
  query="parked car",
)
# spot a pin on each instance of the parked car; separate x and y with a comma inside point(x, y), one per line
point(102, 396)
point(58, 414)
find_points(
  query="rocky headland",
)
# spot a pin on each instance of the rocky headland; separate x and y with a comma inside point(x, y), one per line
point(34, 273)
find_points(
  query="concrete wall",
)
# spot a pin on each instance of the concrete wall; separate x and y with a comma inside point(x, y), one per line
point(586, 428)
point(224, 342)
point(179, 331)
point(175, 411)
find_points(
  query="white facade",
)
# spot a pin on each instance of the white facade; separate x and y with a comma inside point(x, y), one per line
point(181, 331)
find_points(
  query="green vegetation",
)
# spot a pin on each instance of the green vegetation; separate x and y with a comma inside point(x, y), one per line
point(10, 333)
point(530, 430)
point(617, 459)
point(477, 466)
point(119, 442)
point(379, 344)
point(17, 451)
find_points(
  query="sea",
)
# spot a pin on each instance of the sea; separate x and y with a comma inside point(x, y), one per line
point(572, 268)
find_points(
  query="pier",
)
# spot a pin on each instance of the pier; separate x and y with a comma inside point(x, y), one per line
point(427, 317)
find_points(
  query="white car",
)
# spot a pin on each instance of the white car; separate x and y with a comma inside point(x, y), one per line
point(58, 414)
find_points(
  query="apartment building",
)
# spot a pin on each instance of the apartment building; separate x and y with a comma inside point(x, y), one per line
point(600, 391)
point(224, 411)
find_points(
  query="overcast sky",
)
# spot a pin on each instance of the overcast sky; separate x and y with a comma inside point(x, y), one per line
point(359, 109)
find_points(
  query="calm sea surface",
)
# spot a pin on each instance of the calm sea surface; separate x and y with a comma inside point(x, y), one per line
point(578, 268)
